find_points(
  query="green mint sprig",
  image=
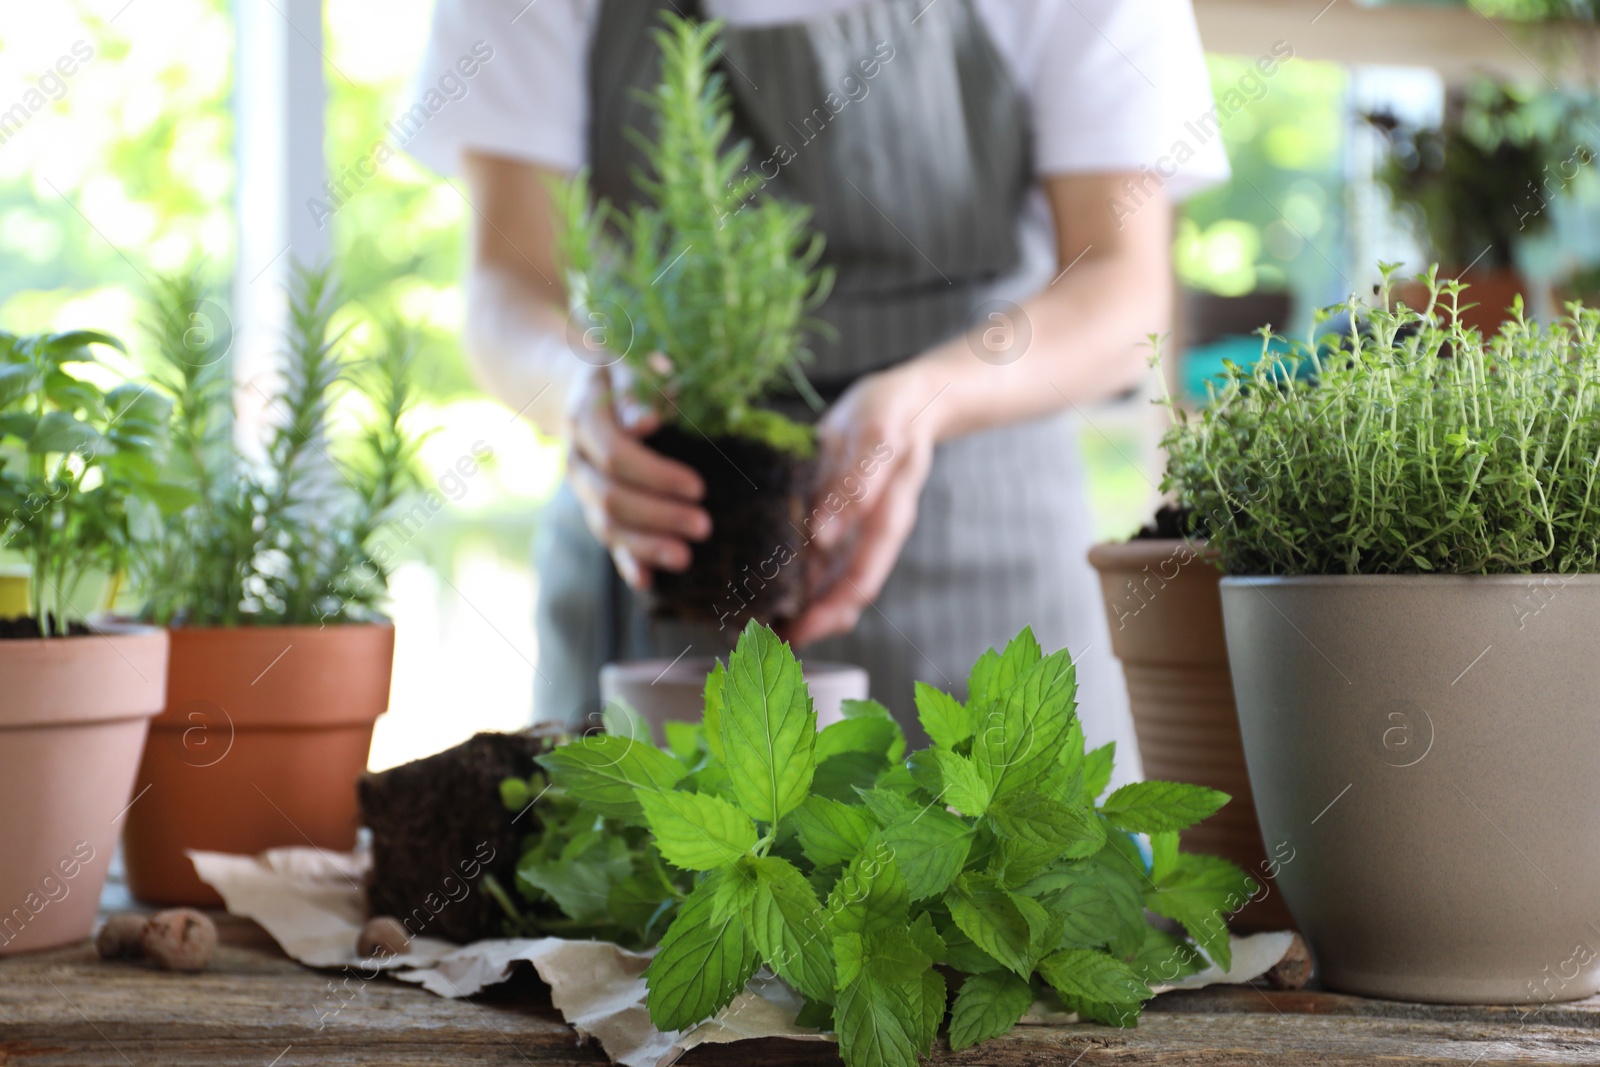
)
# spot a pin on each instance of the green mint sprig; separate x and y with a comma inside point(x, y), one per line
point(872, 882)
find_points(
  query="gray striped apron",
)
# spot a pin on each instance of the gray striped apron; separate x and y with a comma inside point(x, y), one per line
point(899, 123)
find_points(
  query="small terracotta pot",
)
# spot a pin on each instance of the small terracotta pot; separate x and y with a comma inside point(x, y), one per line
point(1428, 744)
point(1166, 628)
point(663, 691)
point(73, 717)
point(266, 730)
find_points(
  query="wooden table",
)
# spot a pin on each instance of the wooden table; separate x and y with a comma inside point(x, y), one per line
point(257, 1007)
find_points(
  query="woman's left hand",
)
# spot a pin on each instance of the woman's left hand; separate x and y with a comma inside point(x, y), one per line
point(875, 447)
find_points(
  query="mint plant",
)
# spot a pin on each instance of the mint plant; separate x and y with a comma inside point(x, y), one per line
point(1413, 446)
point(860, 875)
point(704, 289)
point(76, 460)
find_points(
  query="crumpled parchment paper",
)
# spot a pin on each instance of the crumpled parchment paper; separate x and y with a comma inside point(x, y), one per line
point(312, 904)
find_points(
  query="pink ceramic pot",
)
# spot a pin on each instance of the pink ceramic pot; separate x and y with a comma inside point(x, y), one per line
point(73, 716)
point(662, 690)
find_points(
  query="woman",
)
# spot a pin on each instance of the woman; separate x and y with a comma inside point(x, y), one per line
point(982, 172)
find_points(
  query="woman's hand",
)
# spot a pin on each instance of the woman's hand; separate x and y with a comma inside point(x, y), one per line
point(875, 447)
point(639, 504)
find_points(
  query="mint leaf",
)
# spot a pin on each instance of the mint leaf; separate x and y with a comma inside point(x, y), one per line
point(871, 709)
point(1151, 807)
point(830, 832)
point(786, 921)
point(769, 730)
point(1201, 892)
point(1019, 738)
point(869, 735)
point(1163, 854)
point(620, 720)
point(1021, 654)
point(602, 772)
point(980, 679)
point(1097, 767)
point(962, 788)
point(929, 847)
point(995, 920)
point(930, 1005)
point(1015, 862)
point(988, 1006)
point(870, 895)
point(580, 886)
point(886, 805)
point(684, 740)
point(702, 963)
point(1081, 902)
point(839, 777)
point(696, 831)
point(878, 1025)
point(1090, 975)
point(1165, 958)
point(716, 685)
point(1072, 832)
point(947, 722)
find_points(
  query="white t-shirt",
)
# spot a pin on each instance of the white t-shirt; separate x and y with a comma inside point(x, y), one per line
point(1112, 84)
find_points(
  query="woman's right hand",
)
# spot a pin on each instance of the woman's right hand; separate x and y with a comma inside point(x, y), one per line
point(641, 505)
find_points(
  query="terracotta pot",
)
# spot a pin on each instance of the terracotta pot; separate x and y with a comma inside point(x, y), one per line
point(1427, 745)
point(663, 691)
point(1166, 628)
point(266, 730)
point(73, 717)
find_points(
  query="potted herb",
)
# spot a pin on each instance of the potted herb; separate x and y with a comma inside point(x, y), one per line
point(1410, 608)
point(990, 865)
point(1165, 615)
point(702, 291)
point(271, 583)
point(75, 701)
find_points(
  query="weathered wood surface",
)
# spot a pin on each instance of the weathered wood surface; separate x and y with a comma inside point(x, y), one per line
point(256, 1007)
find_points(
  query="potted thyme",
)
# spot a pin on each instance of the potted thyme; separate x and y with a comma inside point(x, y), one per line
point(75, 700)
point(1410, 608)
point(271, 583)
point(705, 289)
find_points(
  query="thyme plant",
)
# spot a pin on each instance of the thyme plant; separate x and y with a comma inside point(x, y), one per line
point(1414, 445)
point(707, 273)
point(285, 541)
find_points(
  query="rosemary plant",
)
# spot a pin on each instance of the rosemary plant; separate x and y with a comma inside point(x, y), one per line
point(1414, 445)
point(710, 274)
point(75, 462)
point(288, 541)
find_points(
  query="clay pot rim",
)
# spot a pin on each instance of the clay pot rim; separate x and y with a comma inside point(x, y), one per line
point(1520, 581)
point(101, 627)
point(1135, 554)
point(298, 628)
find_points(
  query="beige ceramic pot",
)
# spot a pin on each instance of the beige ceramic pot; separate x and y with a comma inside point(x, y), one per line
point(73, 717)
point(1428, 746)
point(662, 691)
point(1166, 628)
point(265, 732)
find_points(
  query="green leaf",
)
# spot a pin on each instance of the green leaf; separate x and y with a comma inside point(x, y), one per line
point(620, 720)
point(787, 923)
point(994, 920)
point(870, 895)
point(877, 1026)
point(16, 382)
point(1021, 654)
point(581, 889)
point(947, 722)
point(702, 964)
point(988, 1006)
point(685, 740)
point(929, 847)
point(1019, 739)
point(1165, 957)
point(696, 831)
point(768, 726)
point(1163, 854)
point(887, 805)
point(602, 772)
point(871, 709)
point(963, 789)
point(1152, 807)
point(872, 736)
point(1072, 832)
point(514, 794)
point(840, 777)
point(1097, 767)
point(980, 679)
point(1201, 892)
point(716, 683)
point(73, 346)
point(830, 832)
point(58, 431)
point(1092, 975)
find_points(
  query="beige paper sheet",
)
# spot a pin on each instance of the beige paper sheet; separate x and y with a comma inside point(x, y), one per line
point(311, 903)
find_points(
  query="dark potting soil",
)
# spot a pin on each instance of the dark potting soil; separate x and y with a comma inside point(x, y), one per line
point(438, 826)
point(750, 566)
point(25, 626)
point(1170, 523)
